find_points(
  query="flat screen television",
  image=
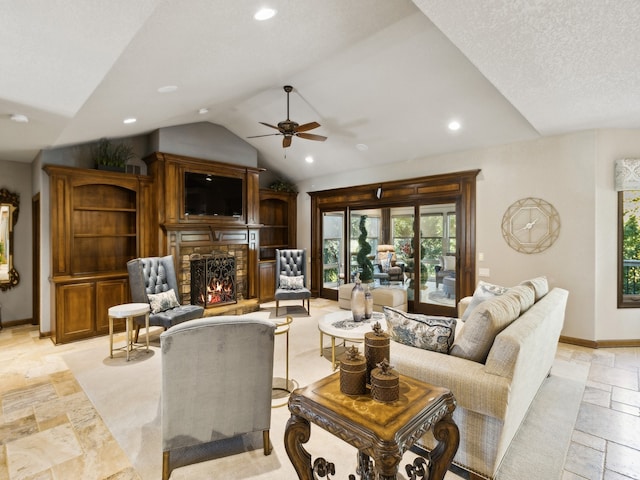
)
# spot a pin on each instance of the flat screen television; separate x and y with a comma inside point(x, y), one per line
point(212, 195)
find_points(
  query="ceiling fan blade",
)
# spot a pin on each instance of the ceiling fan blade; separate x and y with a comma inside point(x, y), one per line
point(307, 126)
point(311, 136)
point(286, 141)
point(267, 135)
point(268, 125)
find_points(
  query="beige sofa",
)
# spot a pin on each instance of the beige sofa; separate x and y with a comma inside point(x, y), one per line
point(492, 397)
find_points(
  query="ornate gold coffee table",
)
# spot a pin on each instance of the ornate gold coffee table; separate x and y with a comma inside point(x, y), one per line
point(380, 431)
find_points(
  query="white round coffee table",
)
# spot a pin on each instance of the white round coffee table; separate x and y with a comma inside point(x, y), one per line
point(341, 325)
point(128, 311)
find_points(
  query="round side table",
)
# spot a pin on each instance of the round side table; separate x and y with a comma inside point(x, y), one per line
point(128, 311)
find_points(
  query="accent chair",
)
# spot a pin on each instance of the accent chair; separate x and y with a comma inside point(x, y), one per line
point(291, 277)
point(217, 375)
point(152, 280)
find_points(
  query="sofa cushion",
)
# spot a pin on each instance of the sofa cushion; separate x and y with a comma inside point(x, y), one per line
point(525, 294)
point(483, 292)
point(485, 322)
point(159, 302)
point(539, 285)
point(422, 331)
point(291, 283)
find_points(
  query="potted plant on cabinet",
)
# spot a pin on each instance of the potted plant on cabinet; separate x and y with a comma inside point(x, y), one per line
point(111, 156)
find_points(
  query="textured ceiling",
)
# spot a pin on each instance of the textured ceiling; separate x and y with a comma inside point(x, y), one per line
point(390, 75)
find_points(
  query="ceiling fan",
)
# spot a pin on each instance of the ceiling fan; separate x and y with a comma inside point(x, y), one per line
point(291, 129)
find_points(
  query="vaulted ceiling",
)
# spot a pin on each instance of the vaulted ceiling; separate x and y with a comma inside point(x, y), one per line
point(383, 78)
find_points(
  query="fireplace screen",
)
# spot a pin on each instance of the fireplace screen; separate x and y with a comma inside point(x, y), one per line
point(213, 279)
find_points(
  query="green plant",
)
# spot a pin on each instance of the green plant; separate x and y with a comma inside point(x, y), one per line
point(366, 275)
point(283, 186)
point(110, 154)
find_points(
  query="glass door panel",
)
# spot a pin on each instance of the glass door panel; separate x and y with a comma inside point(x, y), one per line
point(437, 257)
point(333, 249)
point(402, 237)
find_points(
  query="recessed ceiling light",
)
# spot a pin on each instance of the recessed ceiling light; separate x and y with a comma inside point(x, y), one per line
point(130, 120)
point(202, 111)
point(167, 89)
point(265, 14)
point(454, 125)
point(362, 147)
point(18, 117)
point(308, 159)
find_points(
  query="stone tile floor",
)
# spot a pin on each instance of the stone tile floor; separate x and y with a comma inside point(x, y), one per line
point(49, 429)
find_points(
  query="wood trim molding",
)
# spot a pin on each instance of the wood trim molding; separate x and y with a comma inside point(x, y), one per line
point(599, 343)
point(458, 187)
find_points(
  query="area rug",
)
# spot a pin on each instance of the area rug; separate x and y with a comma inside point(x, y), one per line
point(127, 397)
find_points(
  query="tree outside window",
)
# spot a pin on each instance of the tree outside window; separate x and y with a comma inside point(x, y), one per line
point(630, 248)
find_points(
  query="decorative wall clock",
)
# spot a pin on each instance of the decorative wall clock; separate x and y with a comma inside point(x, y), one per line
point(530, 225)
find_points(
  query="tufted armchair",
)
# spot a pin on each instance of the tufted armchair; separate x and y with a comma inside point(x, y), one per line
point(291, 277)
point(217, 375)
point(155, 275)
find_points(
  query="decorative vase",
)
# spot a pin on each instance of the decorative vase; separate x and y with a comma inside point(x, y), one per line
point(357, 301)
point(368, 302)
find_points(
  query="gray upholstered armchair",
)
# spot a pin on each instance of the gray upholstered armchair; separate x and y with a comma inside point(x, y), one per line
point(154, 276)
point(291, 277)
point(447, 268)
point(217, 375)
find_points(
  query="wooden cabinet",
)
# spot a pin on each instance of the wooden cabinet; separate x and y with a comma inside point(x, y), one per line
point(98, 223)
point(278, 231)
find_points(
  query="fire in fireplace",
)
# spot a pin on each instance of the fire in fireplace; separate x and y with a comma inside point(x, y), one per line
point(213, 279)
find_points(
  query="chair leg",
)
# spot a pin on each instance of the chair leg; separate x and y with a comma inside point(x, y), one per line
point(266, 444)
point(137, 333)
point(277, 305)
point(165, 466)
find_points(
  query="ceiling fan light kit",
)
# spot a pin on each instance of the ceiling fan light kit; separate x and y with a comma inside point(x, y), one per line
point(289, 129)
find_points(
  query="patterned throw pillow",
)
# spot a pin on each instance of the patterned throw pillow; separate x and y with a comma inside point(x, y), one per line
point(422, 331)
point(484, 291)
point(292, 283)
point(159, 302)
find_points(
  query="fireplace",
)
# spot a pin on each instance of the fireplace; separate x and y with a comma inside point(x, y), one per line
point(213, 279)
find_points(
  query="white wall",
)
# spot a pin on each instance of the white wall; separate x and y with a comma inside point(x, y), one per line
point(17, 302)
point(572, 172)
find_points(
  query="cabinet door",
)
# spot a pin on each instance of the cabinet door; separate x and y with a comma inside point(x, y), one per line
point(75, 311)
point(108, 294)
point(267, 280)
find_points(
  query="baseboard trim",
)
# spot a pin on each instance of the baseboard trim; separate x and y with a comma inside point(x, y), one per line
point(600, 343)
point(13, 323)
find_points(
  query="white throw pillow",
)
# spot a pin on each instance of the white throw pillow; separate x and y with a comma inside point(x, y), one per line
point(488, 320)
point(159, 302)
point(484, 291)
point(449, 262)
point(292, 283)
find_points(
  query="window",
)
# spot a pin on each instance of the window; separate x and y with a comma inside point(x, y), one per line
point(629, 248)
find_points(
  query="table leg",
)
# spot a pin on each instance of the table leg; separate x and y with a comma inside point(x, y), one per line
point(448, 436)
point(333, 352)
point(146, 324)
point(321, 344)
point(111, 336)
point(365, 467)
point(298, 431)
point(128, 345)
